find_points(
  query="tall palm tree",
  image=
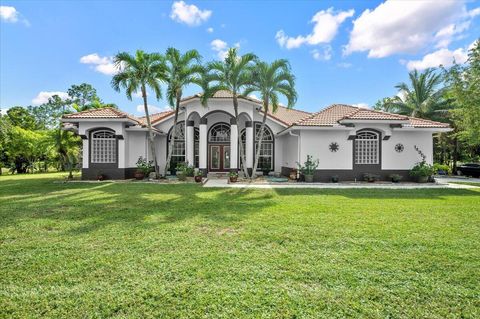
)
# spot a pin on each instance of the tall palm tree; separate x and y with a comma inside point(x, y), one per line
point(421, 97)
point(182, 70)
point(234, 74)
point(137, 73)
point(270, 80)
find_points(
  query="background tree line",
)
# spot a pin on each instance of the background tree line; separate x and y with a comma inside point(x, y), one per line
point(446, 95)
point(32, 138)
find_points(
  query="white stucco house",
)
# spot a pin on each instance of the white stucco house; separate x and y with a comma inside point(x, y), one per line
point(348, 141)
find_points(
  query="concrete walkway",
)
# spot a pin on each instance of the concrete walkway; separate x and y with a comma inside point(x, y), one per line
point(439, 185)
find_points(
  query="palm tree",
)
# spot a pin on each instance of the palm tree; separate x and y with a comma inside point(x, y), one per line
point(234, 74)
point(137, 73)
point(270, 80)
point(421, 97)
point(181, 71)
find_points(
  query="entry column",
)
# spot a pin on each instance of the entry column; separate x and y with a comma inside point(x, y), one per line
point(190, 149)
point(249, 145)
point(202, 152)
point(233, 145)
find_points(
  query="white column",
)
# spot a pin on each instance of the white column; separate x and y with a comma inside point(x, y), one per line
point(85, 154)
point(121, 153)
point(203, 145)
point(233, 144)
point(249, 144)
point(190, 143)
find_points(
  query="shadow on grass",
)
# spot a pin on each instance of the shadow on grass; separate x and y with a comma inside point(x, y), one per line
point(136, 205)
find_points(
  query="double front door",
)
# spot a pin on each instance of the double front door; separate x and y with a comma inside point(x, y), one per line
point(219, 158)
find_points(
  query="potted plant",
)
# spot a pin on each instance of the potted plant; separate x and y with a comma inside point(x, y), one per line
point(233, 176)
point(100, 176)
point(308, 168)
point(396, 178)
point(182, 170)
point(293, 174)
point(144, 168)
point(422, 172)
point(198, 175)
point(334, 179)
point(266, 169)
point(369, 177)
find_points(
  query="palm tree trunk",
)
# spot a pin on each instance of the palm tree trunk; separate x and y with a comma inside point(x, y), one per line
point(150, 131)
point(455, 155)
point(259, 146)
point(174, 133)
point(243, 162)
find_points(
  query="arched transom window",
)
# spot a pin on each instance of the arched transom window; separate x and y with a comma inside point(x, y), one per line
point(366, 148)
point(219, 133)
point(104, 147)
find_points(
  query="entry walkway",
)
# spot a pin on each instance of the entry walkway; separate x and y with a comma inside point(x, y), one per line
point(217, 182)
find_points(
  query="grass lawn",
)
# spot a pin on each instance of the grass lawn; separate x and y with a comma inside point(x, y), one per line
point(140, 250)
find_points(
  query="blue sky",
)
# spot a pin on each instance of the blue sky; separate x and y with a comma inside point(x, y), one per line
point(341, 51)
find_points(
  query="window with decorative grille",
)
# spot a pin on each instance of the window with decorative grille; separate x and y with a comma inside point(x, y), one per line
point(366, 148)
point(104, 147)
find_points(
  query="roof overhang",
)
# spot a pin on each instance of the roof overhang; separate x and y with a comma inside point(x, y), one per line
point(105, 119)
point(379, 121)
point(423, 129)
point(144, 129)
point(316, 128)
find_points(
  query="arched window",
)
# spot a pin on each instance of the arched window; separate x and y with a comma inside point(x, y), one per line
point(267, 150)
point(265, 160)
point(366, 148)
point(219, 133)
point(178, 150)
point(104, 147)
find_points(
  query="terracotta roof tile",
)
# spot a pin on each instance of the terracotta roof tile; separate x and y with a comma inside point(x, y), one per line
point(333, 114)
point(155, 117)
point(102, 113)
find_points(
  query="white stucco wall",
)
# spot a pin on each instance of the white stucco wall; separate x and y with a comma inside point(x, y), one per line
point(317, 142)
point(136, 144)
point(289, 155)
point(409, 157)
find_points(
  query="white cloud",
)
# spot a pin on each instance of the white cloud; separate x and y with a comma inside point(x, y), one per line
point(344, 65)
point(362, 105)
point(407, 26)
point(326, 24)
point(221, 47)
point(43, 97)
point(189, 14)
point(210, 30)
point(101, 64)
point(322, 55)
point(443, 57)
point(152, 109)
point(10, 14)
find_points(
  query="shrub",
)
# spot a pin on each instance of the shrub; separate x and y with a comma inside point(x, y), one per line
point(396, 178)
point(442, 169)
point(185, 169)
point(144, 166)
point(369, 177)
point(309, 166)
point(422, 169)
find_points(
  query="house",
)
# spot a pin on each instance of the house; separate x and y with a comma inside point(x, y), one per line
point(348, 141)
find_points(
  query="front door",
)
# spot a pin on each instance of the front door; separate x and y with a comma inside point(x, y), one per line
point(219, 159)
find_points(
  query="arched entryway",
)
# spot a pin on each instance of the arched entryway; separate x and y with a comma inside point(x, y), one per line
point(219, 152)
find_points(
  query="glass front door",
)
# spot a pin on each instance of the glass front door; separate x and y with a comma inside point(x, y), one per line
point(219, 158)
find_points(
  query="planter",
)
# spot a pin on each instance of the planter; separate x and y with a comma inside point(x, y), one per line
point(233, 179)
point(139, 175)
point(293, 174)
point(198, 178)
point(422, 179)
point(100, 177)
point(308, 178)
point(334, 179)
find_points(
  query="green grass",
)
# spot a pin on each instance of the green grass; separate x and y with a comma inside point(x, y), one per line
point(135, 250)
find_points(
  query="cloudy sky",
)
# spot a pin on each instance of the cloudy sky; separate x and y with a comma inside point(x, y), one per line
point(341, 51)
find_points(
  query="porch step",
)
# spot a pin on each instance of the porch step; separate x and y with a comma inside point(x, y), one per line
point(217, 175)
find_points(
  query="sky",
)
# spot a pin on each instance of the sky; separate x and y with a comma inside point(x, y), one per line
point(351, 52)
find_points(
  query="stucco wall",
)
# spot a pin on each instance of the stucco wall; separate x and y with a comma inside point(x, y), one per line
point(409, 157)
point(317, 142)
point(290, 150)
point(136, 146)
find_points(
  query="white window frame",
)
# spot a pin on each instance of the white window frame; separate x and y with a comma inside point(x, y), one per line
point(104, 147)
point(367, 148)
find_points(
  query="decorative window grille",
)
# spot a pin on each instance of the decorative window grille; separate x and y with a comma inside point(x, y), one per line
point(366, 148)
point(219, 133)
point(104, 147)
point(265, 159)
